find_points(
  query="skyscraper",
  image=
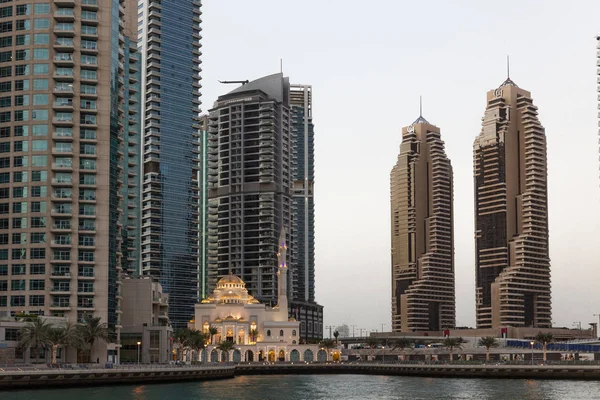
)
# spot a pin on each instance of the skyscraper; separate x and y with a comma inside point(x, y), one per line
point(511, 213)
point(169, 40)
point(70, 137)
point(422, 232)
point(251, 177)
point(303, 192)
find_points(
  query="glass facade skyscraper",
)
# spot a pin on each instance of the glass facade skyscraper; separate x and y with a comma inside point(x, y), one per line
point(169, 39)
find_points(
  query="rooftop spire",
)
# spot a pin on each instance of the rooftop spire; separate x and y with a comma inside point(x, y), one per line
point(420, 120)
point(508, 81)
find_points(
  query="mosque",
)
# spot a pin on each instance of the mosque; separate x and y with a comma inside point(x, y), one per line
point(259, 332)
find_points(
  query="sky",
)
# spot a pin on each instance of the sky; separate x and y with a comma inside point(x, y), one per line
point(368, 63)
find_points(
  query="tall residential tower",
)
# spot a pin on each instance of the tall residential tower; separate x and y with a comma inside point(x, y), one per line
point(70, 138)
point(255, 133)
point(511, 213)
point(422, 232)
point(169, 39)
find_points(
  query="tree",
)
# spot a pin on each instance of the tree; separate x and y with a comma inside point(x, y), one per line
point(327, 344)
point(544, 338)
point(487, 342)
point(93, 330)
point(67, 336)
point(253, 335)
point(452, 343)
point(226, 346)
point(182, 337)
point(372, 343)
point(335, 335)
point(34, 335)
point(213, 331)
point(197, 341)
point(402, 343)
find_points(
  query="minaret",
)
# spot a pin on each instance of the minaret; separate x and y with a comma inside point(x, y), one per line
point(282, 300)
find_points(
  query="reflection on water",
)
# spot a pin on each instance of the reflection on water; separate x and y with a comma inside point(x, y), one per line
point(300, 387)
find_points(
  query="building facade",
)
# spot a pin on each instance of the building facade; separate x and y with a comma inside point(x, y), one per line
point(255, 136)
point(145, 321)
point(69, 131)
point(169, 39)
point(511, 213)
point(423, 296)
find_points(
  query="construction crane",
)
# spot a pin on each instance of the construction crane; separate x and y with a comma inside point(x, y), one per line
point(233, 82)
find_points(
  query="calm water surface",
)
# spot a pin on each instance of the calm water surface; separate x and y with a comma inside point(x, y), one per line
point(296, 387)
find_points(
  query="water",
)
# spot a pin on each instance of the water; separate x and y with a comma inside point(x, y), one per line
point(317, 387)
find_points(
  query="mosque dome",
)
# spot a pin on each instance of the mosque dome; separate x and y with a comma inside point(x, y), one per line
point(230, 279)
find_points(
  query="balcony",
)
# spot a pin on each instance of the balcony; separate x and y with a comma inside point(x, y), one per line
point(64, 59)
point(64, 44)
point(64, 15)
point(63, 105)
point(62, 121)
point(64, 30)
point(88, 4)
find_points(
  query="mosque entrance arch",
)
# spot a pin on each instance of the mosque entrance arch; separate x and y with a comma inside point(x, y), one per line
point(322, 356)
point(204, 355)
point(225, 356)
point(261, 356)
point(214, 356)
point(237, 356)
point(271, 355)
point(294, 356)
point(308, 356)
point(249, 356)
point(281, 355)
point(336, 356)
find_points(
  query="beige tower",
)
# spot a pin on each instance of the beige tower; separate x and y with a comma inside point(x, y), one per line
point(511, 213)
point(422, 237)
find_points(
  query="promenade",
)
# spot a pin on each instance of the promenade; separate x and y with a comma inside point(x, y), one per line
point(94, 375)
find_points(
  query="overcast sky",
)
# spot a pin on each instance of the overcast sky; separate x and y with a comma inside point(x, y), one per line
point(368, 62)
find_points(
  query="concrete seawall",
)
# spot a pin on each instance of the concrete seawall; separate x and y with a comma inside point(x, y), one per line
point(583, 372)
point(67, 378)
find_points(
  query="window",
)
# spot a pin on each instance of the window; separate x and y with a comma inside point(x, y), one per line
point(41, 38)
point(5, 72)
point(22, 40)
point(20, 146)
point(39, 115)
point(5, 116)
point(43, 23)
point(41, 69)
point(86, 256)
point(6, 11)
point(293, 332)
point(38, 206)
point(6, 41)
point(4, 208)
point(23, 25)
point(40, 130)
point(86, 241)
point(38, 237)
point(37, 284)
point(22, 85)
point(19, 207)
point(23, 9)
point(40, 100)
point(40, 54)
point(19, 238)
point(39, 161)
point(268, 332)
point(3, 270)
point(37, 269)
point(20, 161)
point(17, 284)
point(6, 27)
point(19, 223)
point(21, 115)
point(41, 8)
point(3, 286)
point(4, 177)
point(39, 176)
point(20, 176)
point(4, 225)
point(17, 301)
point(5, 56)
point(12, 334)
point(40, 84)
point(22, 100)
point(38, 222)
point(3, 238)
point(21, 70)
point(5, 102)
point(5, 87)
point(38, 191)
point(85, 287)
point(281, 332)
point(39, 145)
point(22, 55)
point(36, 300)
point(3, 303)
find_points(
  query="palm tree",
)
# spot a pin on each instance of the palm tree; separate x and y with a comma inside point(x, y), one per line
point(335, 335)
point(197, 341)
point(226, 346)
point(63, 337)
point(487, 342)
point(544, 339)
point(93, 330)
point(402, 343)
point(451, 344)
point(34, 335)
point(213, 331)
point(182, 337)
point(327, 344)
point(253, 335)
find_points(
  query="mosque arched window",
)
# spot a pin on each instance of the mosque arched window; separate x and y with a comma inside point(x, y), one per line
point(294, 332)
point(269, 332)
point(281, 332)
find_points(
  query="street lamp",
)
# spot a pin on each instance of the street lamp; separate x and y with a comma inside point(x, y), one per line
point(532, 343)
point(383, 347)
point(139, 343)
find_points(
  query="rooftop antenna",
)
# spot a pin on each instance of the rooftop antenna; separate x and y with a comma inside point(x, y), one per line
point(234, 82)
point(281, 65)
point(420, 106)
point(508, 67)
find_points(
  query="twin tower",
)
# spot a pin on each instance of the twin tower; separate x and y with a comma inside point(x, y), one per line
point(512, 265)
